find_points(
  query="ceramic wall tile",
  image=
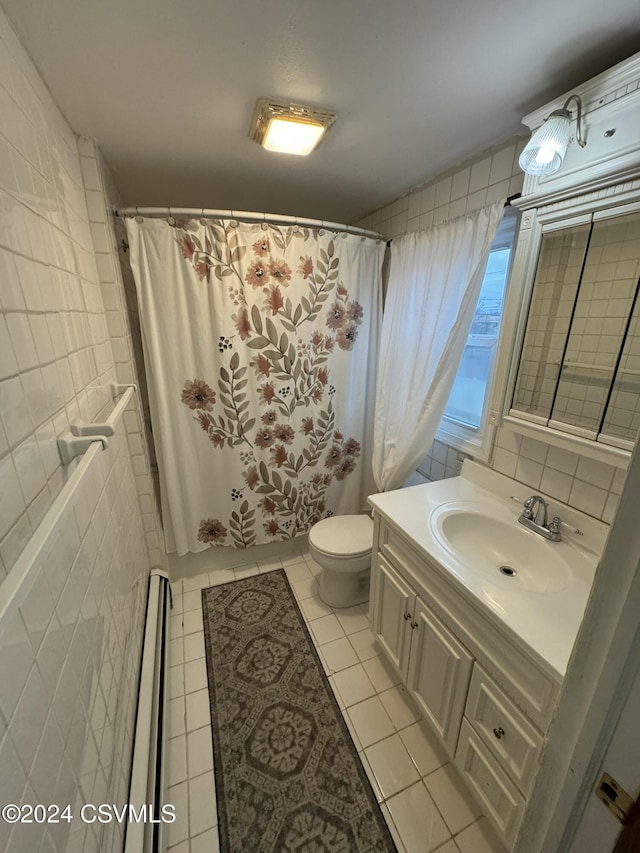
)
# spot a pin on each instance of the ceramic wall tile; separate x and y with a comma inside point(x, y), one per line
point(71, 653)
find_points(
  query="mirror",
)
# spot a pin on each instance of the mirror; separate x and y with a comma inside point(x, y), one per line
point(579, 368)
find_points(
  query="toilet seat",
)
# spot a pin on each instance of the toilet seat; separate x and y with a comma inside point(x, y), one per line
point(343, 536)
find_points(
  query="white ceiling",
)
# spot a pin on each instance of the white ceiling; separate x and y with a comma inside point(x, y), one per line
point(168, 87)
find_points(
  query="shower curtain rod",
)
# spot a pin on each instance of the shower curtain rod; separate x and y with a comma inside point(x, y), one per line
point(244, 216)
point(506, 204)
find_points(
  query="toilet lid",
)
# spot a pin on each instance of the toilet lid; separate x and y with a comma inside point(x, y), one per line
point(343, 535)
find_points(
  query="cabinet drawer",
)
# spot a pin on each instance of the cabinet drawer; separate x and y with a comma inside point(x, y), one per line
point(502, 802)
point(511, 738)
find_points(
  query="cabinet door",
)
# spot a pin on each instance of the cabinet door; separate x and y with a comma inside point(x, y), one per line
point(439, 674)
point(392, 614)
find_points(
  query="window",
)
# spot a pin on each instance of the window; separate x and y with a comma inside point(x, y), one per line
point(464, 424)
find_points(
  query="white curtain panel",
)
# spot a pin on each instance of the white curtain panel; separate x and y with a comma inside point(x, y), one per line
point(435, 278)
point(261, 345)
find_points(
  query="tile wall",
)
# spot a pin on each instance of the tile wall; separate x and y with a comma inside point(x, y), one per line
point(70, 655)
point(589, 486)
point(121, 312)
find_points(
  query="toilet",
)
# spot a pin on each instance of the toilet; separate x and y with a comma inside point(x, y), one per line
point(342, 546)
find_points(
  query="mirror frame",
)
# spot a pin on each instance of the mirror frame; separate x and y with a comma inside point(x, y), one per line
point(560, 213)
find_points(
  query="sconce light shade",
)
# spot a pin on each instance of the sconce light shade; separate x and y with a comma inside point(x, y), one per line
point(289, 128)
point(544, 153)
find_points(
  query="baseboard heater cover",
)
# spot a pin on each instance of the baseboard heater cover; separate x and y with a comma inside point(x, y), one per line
point(148, 764)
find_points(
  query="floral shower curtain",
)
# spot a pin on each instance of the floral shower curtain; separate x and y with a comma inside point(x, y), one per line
point(261, 345)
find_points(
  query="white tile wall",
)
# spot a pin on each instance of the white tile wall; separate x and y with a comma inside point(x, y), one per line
point(121, 311)
point(69, 658)
point(567, 477)
point(491, 175)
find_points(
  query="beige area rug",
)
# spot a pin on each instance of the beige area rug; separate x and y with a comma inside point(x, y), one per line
point(288, 777)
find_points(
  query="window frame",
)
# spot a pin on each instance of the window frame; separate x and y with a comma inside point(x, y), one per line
point(478, 441)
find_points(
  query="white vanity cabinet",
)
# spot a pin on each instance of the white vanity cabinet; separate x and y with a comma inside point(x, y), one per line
point(434, 665)
point(487, 701)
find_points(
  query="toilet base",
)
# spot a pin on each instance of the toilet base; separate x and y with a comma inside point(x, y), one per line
point(344, 589)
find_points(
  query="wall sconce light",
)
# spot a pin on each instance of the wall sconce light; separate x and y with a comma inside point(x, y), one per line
point(290, 129)
point(544, 153)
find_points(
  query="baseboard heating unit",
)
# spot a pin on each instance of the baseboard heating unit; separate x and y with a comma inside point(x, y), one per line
point(148, 764)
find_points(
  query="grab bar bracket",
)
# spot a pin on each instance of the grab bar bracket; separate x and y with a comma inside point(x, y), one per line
point(70, 446)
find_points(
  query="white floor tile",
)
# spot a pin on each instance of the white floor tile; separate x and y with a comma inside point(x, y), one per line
point(177, 760)
point(220, 576)
point(325, 629)
point(449, 847)
point(198, 582)
point(176, 717)
point(305, 588)
point(392, 767)
point(352, 619)
point(314, 608)
point(353, 685)
point(292, 560)
point(479, 838)
point(336, 693)
point(199, 751)
point(315, 568)
point(247, 571)
point(339, 654)
point(418, 822)
point(192, 600)
point(192, 623)
point(193, 647)
point(195, 675)
point(364, 644)
point(392, 828)
point(297, 571)
point(179, 829)
point(207, 842)
point(182, 847)
point(455, 803)
point(176, 681)
point(269, 565)
point(425, 751)
point(198, 713)
point(176, 651)
point(370, 721)
point(371, 777)
point(398, 705)
point(381, 674)
point(202, 804)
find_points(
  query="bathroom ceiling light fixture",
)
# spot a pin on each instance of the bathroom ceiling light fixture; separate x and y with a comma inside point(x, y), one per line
point(544, 153)
point(290, 129)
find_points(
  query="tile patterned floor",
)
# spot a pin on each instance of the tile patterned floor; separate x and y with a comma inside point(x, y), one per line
point(424, 803)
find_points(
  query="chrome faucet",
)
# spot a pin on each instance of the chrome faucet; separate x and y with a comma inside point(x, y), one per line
point(535, 516)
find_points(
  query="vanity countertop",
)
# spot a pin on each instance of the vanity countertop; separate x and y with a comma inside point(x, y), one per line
point(544, 621)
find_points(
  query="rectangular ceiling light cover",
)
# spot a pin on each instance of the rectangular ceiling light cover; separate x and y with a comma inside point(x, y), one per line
point(291, 129)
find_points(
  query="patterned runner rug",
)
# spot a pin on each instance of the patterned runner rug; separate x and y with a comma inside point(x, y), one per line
point(288, 777)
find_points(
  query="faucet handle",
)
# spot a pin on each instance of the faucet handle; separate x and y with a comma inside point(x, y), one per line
point(528, 507)
point(555, 525)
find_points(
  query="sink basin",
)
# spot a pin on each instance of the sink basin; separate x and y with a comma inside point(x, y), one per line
point(500, 549)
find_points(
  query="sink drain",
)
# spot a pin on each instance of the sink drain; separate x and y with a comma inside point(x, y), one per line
point(508, 571)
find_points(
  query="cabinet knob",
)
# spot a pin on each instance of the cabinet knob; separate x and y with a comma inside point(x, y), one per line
point(414, 625)
point(499, 732)
point(407, 616)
